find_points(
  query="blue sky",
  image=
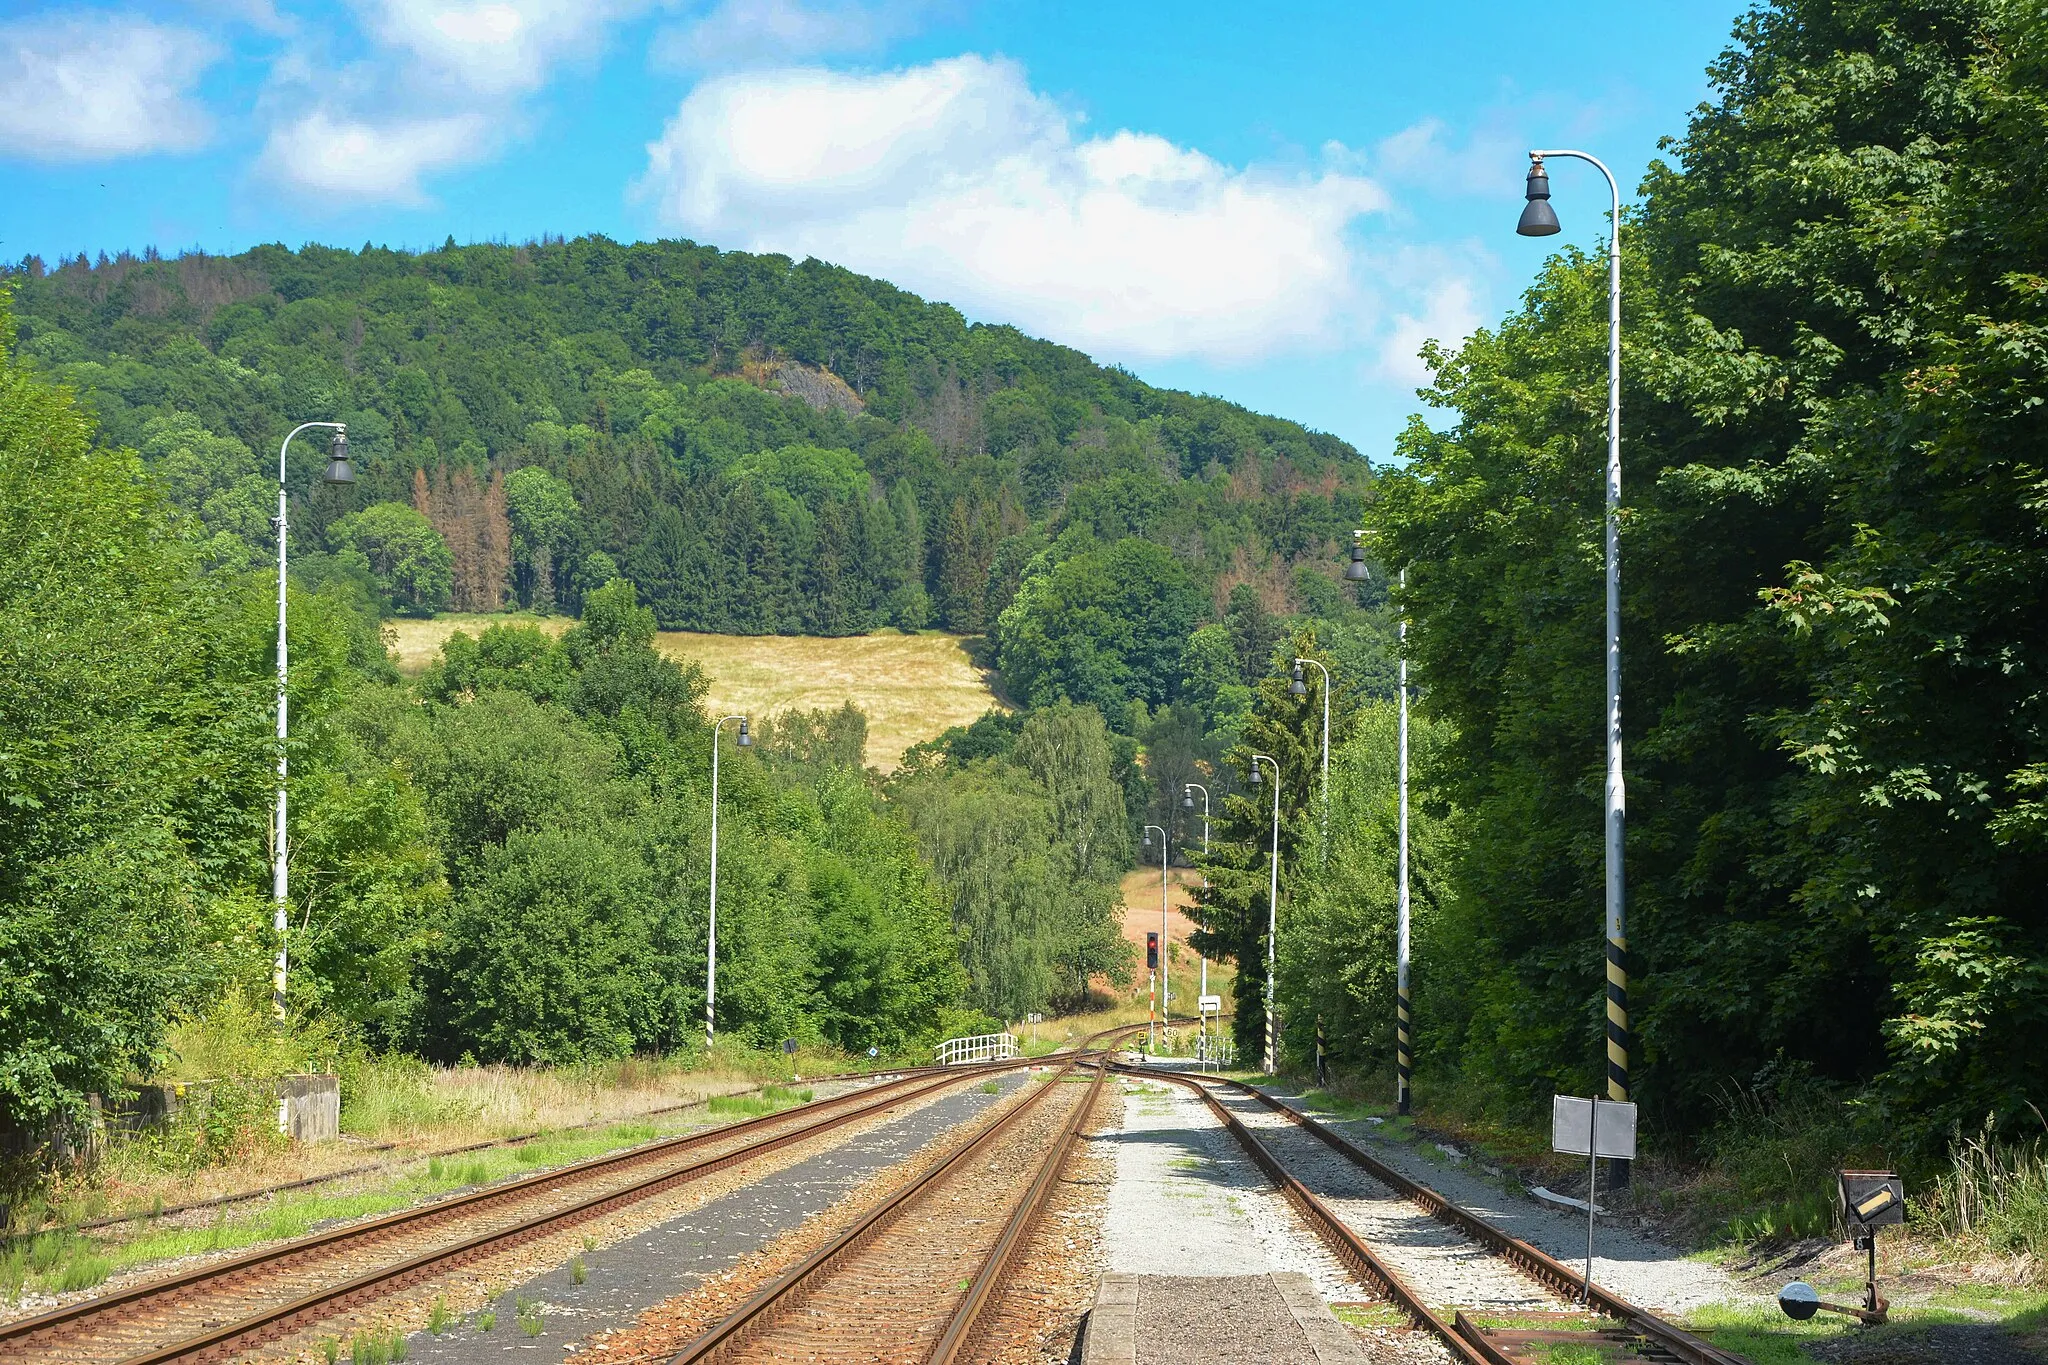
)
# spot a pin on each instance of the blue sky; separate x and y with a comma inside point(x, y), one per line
point(1274, 204)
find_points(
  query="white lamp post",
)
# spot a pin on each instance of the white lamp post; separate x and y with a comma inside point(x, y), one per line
point(1299, 687)
point(1187, 802)
point(711, 941)
point(1404, 1044)
point(1272, 917)
point(1165, 984)
point(338, 472)
point(1539, 220)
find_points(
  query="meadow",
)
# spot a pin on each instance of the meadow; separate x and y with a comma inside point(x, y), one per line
point(911, 687)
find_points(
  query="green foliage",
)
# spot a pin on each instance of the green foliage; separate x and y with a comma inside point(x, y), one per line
point(1831, 538)
point(758, 445)
point(1338, 920)
point(405, 552)
point(1103, 627)
point(1029, 846)
point(1233, 909)
point(544, 517)
point(569, 783)
point(126, 759)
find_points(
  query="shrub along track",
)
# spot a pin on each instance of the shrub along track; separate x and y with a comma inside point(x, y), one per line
point(914, 1279)
point(212, 1311)
point(1624, 1335)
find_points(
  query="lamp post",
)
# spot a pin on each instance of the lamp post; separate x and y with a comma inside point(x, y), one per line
point(1165, 983)
point(1404, 1044)
point(1187, 803)
point(339, 471)
point(1540, 220)
point(1272, 916)
point(1299, 687)
point(711, 942)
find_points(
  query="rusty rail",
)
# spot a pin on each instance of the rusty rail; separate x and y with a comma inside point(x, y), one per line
point(1532, 1260)
point(823, 1116)
point(786, 1290)
point(1463, 1337)
point(966, 1320)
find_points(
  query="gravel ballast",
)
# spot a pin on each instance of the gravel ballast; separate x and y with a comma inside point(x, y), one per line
point(679, 1253)
point(1446, 1268)
point(1644, 1271)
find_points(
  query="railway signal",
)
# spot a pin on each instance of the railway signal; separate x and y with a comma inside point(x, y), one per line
point(1152, 990)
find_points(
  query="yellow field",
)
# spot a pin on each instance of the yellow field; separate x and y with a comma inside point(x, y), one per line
point(912, 687)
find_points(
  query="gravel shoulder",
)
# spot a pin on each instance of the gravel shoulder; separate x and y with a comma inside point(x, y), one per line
point(1186, 1201)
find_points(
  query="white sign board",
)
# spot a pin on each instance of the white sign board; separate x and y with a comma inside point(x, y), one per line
point(1570, 1116)
point(1034, 1018)
point(1209, 1004)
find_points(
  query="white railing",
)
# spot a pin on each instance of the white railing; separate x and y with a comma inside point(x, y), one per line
point(1215, 1051)
point(981, 1047)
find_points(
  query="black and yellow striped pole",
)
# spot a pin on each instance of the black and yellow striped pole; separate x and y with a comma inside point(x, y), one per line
point(1617, 1018)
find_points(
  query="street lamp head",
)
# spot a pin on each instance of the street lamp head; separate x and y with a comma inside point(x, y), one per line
point(1538, 218)
point(1148, 840)
point(745, 741)
point(1299, 686)
point(1187, 798)
point(1355, 572)
point(339, 470)
point(1257, 776)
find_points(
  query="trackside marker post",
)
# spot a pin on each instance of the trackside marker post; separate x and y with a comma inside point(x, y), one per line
point(1592, 1128)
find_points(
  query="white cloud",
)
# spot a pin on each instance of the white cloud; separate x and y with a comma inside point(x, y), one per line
point(956, 179)
point(87, 86)
point(1488, 161)
point(1448, 312)
point(495, 46)
point(729, 33)
point(359, 161)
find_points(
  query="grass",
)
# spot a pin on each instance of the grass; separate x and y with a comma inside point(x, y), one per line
point(65, 1261)
point(911, 687)
point(765, 1101)
point(377, 1348)
point(1993, 1196)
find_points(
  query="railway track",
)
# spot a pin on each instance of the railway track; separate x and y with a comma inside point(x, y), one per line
point(1524, 1286)
point(213, 1311)
point(916, 1277)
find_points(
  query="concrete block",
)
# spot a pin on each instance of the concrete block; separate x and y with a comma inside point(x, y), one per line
point(309, 1107)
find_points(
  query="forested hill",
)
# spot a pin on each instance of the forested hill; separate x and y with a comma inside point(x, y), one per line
point(759, 445)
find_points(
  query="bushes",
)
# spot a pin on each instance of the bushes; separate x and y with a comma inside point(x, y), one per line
point(549, 957)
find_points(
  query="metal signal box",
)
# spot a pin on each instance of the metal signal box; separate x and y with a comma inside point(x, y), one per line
point(1872, 1199)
